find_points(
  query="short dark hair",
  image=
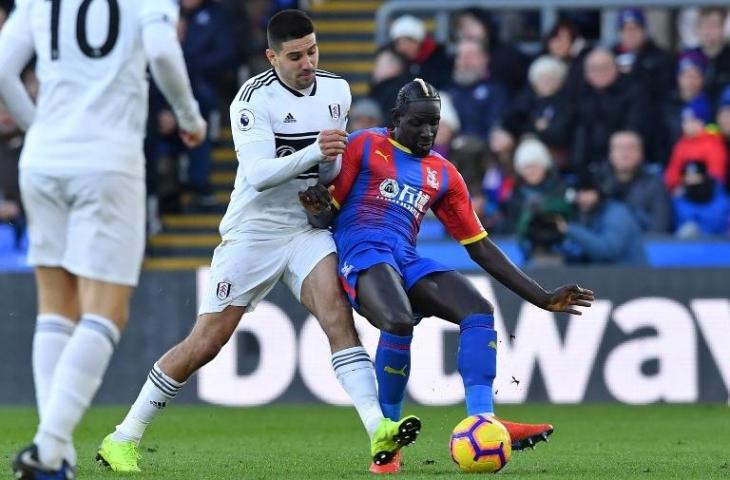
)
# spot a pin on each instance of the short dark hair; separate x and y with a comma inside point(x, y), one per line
point(288, 25)
point(709, 11)
point(414, 91)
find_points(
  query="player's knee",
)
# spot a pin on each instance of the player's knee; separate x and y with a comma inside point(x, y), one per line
point(339, 327)
point(479, 305)
point(396, 322)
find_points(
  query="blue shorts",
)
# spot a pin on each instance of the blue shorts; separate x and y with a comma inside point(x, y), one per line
point(359, 252)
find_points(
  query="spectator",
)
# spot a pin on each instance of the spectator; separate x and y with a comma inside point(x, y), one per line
point(538, 190)
point(605, 232)
point(3, 15)
point(701, 206)
point(449, 126)
point(723, 124)
point(697, 143)
point(607, 103)
point(209, 49)
point(627, 180)
point(544, 110)
point(651, 70)
point(715, 49)
point(507, 62)
point(690, 82)
point(425, 58)
point(389, 75)
point(364, 113)
point(478, 98)
point(564, 43)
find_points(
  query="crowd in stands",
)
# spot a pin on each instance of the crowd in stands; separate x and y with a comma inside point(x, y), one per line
point(582, 148)
point(579, 149)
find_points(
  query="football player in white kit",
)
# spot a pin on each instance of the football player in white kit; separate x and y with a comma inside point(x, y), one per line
point(82, 183)
point(288, 125)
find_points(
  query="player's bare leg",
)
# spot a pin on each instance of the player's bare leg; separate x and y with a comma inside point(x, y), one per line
point(323, 296)
point(449, 295)
point(209, 334)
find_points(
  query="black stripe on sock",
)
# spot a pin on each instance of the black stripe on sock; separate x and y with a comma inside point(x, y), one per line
point(359, 360)
point(160, 387)
point(160, 378)
point(336, 359)
point(339, 363)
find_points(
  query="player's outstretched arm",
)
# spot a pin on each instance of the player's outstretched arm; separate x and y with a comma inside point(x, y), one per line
point(167, 65)
point(16, 50)
point(317, 200)
point(564, 299)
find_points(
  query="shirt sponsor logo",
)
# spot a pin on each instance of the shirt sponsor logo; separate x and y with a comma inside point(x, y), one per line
point(408, 197)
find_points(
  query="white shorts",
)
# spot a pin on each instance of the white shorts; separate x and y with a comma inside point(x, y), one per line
point(244, 270)
point(91, 224)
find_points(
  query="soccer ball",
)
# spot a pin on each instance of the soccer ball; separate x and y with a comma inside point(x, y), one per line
point(480, 444)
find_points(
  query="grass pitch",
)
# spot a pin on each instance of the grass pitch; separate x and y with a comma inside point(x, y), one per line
point(320, 442)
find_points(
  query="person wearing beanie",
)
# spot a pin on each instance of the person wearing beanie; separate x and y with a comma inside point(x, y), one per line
point(697, 143)
point(691, 70)
point(539, 191)
point(651, 69)
point(426, 59)
point(701, 206)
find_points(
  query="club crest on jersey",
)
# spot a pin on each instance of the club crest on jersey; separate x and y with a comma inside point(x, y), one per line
point(389, 188)
point(335, 111)
point(223, 290)
point(245, 120)
point(432, 178)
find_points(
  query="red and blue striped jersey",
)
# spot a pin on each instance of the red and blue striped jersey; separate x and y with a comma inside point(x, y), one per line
point(382, 185)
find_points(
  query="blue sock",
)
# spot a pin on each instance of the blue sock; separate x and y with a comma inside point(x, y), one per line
point(392, 369)
point(477, 359)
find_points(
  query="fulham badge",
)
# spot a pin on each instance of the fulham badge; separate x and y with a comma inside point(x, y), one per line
point(224, 289)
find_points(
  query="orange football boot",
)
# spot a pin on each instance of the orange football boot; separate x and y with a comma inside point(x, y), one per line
point(525, 435)
point(391, 467)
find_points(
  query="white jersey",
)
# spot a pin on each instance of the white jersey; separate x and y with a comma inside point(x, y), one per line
point(91, 65)
point(273, 124)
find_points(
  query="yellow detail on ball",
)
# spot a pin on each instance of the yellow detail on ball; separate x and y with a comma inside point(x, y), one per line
point(480, 444)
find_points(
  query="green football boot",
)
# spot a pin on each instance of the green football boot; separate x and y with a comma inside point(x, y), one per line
point(391, 436)
point(119, 455)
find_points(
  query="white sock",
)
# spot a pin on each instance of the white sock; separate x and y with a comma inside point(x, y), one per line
point(52, 333)
point(156, 394)
point(78, 376)
point(356, 374)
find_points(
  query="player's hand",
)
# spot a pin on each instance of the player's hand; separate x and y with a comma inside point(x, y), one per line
point(332, 143)
point(317, 199)
point(193, 139)
point(565, 298)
